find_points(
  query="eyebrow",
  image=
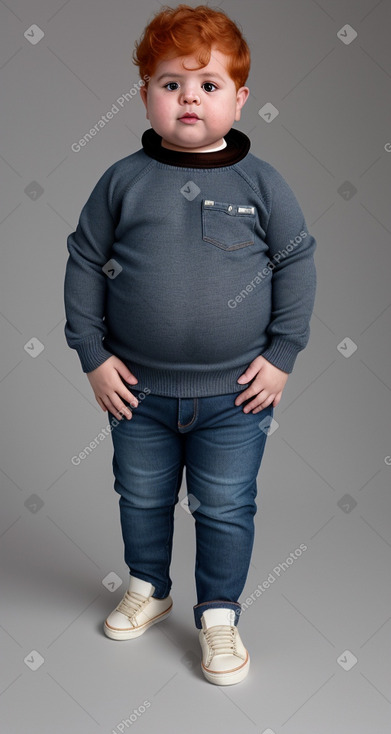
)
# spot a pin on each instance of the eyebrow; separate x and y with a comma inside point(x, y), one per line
point(180, 76)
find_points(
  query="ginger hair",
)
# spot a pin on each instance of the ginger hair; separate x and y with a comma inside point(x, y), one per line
point(188, 31)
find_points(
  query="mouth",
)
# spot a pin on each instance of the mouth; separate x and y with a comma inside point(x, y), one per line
point(189, 116)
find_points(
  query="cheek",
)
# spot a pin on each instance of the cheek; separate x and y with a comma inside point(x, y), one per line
point(216, 116)
point(161, 105)
point(225, 108)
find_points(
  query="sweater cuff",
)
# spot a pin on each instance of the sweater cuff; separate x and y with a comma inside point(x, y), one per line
point(92, 353)
point(282, 354)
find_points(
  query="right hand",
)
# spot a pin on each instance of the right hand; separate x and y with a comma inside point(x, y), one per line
point(109, 389)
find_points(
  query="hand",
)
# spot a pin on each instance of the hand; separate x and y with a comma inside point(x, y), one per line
point(267, 386)
point(109, 389)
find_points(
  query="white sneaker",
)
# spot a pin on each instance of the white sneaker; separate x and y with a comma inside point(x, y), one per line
point(225, 660)
point(137, 611)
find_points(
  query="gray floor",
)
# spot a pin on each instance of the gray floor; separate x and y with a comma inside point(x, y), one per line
point(319, 635)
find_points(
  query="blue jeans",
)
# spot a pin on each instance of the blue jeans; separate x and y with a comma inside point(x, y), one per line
point(222, 449)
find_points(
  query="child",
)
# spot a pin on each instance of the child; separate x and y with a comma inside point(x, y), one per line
point(189, 288)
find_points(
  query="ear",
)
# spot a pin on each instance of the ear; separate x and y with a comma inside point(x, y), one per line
point(144, 97)
point(241, 99)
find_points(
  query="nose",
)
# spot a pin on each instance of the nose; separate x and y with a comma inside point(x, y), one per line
point(189, 95)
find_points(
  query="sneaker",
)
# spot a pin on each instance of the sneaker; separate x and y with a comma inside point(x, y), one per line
point(225, 660)
point(137, 611)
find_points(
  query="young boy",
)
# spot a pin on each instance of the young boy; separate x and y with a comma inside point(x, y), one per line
point(188, 292)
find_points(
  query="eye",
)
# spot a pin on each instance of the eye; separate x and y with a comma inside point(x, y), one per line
point(209, 84)
point(173, 86)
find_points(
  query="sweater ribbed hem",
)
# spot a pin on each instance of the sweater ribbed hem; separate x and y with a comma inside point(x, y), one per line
point(190, 383)
point(92, 353)
point(282, 354)
point(186, 384)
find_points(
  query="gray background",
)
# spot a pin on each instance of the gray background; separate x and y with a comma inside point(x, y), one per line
point(325, 477)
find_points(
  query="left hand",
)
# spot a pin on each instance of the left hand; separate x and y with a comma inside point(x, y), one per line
point(266, 388)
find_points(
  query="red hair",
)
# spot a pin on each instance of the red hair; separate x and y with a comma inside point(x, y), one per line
point(188, 31)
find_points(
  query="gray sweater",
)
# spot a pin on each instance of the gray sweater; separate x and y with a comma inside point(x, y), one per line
point(187, 266)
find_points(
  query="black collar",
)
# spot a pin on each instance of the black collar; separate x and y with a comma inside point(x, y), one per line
point(238, 145)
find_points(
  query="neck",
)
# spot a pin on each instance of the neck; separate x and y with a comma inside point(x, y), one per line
point(203, 149)
point(236, 146)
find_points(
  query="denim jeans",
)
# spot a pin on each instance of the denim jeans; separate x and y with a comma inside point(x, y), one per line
point(222, 449)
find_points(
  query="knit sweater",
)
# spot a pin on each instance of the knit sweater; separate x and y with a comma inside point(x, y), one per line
point(187, 266)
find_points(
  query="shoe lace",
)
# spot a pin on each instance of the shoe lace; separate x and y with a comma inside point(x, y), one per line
point(221, 639)
point(131, 603)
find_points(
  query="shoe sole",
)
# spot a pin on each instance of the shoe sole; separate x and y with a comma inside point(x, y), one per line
point(227, 679)
point(129, 634)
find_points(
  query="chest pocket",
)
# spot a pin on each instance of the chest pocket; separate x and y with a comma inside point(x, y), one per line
point(228, 226)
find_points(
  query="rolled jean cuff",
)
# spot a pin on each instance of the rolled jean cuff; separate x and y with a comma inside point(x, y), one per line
point(232, 619)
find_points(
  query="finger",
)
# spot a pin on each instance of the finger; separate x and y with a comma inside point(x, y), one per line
point(126, 373)
point(122, 392)
point(252, 370)
point(263, 405)
point(101, 403)
point(258, 400)
point(254, 389)
point(119, 409)
point(248, 375)
point(132, 399)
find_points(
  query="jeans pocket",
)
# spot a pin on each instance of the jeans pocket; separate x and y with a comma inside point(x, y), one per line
point(228, 226)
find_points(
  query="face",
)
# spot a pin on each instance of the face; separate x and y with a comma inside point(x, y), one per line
point(209, 94)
